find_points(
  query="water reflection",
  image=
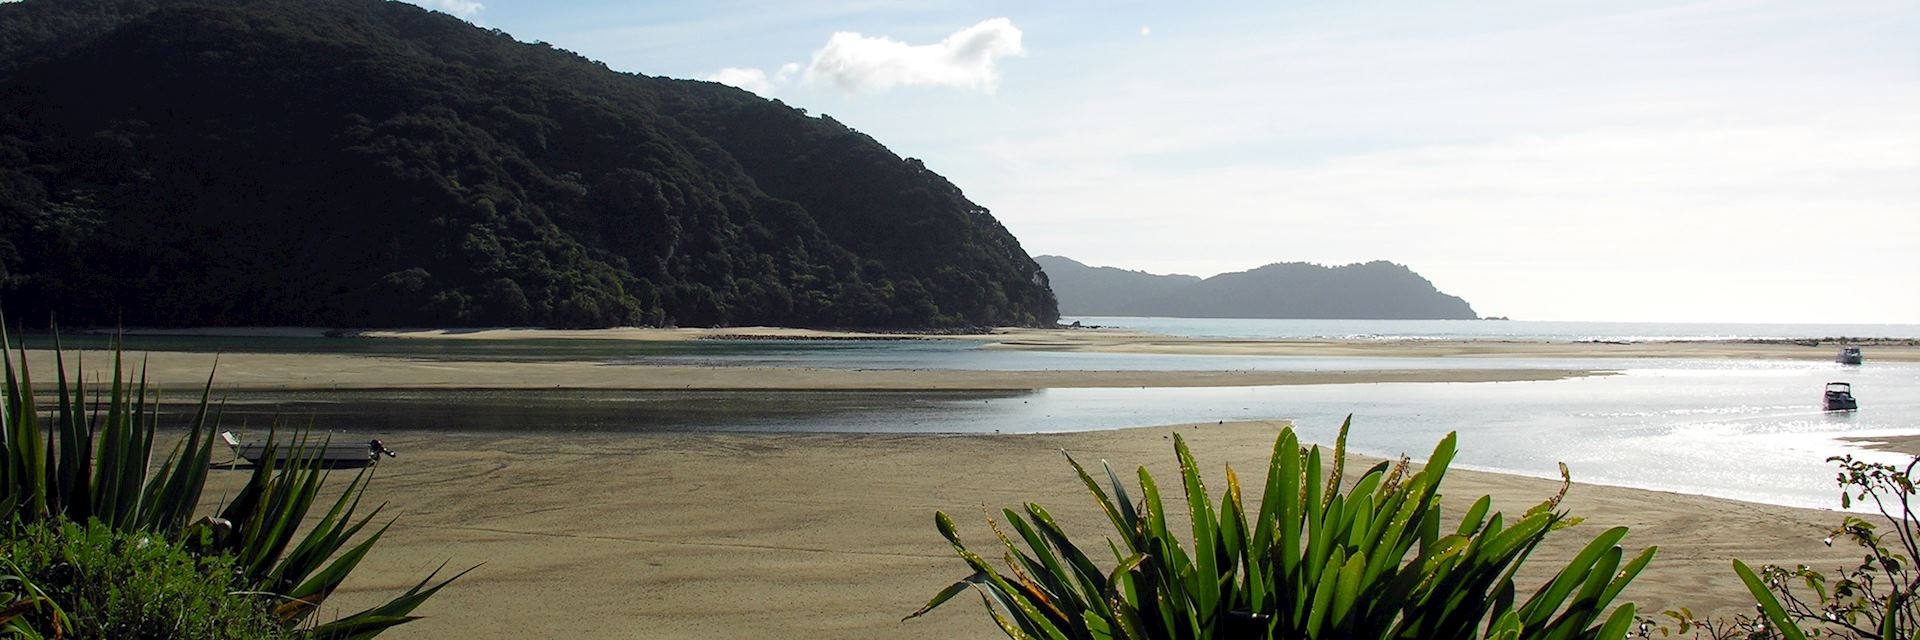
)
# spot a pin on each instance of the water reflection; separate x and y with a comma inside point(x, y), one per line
point(1734, 429)
point(386, 411)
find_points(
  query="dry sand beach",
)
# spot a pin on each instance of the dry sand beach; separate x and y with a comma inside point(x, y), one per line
point(831, 536)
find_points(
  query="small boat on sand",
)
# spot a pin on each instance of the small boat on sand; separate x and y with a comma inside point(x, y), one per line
point(1848, 355)
point(331, 454)
point(1839, 397)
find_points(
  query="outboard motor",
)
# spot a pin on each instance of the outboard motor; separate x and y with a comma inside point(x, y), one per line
point(374, 449)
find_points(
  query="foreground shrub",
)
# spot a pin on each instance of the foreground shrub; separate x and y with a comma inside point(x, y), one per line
point(1314, 561)
point(114, 584)
point(21, 600)
point(87, 459)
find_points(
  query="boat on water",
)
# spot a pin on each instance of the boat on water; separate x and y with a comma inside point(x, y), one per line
point(1848, 355)
point(1839, 397)
point(329, 454)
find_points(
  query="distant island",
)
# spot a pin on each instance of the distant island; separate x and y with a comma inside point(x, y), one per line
point(362, 163)
point(1372, 290)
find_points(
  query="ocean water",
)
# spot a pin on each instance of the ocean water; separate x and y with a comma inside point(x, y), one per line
point(1492, 329)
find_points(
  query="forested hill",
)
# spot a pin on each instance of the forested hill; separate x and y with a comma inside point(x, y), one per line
point(370, 163)
point(1373, 290)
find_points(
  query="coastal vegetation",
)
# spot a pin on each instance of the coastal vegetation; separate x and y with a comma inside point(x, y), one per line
point(1314, 560)
point(359, 163)
point(1377, 560)
point(1876, 599)
point(85, 509)
point(1371, 290)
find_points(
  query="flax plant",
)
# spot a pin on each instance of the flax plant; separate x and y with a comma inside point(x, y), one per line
point(1373, 560)
point(89, 455)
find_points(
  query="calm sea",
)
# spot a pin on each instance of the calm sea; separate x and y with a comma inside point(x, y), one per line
point(1492, 329)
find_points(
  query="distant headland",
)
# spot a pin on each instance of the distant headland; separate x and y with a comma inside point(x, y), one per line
point(1371, 290)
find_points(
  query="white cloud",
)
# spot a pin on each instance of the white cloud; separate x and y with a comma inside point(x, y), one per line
point(465, 9)
point(786, 72)
point(1146, 31)
point(858, 64)
point(753, 80)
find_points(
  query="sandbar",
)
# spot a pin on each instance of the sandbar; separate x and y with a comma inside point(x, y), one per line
point(1898, 443)
point(187, 371)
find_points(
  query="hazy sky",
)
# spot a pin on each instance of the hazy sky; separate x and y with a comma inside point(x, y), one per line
point(1618, 160)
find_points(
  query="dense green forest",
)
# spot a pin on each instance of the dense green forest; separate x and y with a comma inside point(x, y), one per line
point(369, 163)
point(1370, 290)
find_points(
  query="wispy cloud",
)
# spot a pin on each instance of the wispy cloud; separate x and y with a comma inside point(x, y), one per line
point(754, 80)
point(859, 64)
point(465, 9)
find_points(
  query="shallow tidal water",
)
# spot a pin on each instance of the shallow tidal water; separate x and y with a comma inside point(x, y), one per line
point(1743, 429)
point(1751, 430)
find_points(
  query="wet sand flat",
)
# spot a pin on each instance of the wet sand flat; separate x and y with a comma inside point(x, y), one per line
point(831, 536)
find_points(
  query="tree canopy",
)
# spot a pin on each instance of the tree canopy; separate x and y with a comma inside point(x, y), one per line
point(371, 163)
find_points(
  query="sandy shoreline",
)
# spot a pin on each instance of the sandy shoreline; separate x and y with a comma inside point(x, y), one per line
point(1122, 341)
point(279, 372)
point(831, 536)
